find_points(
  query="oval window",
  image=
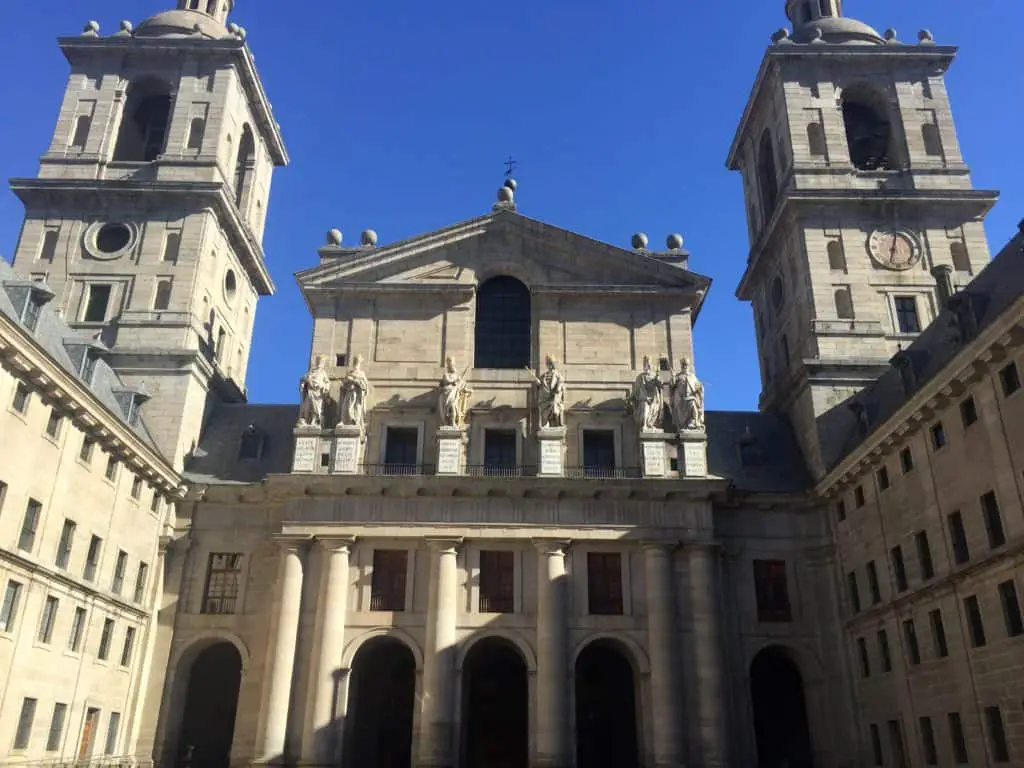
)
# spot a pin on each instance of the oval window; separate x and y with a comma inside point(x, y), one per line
point(778, 293)
point(113, 238)
point(230, 285)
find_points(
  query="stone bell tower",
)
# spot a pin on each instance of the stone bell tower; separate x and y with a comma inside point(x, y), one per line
point(146, 217)
point(858, 199)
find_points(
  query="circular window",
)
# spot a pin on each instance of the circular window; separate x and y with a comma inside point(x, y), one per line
point(230, 285)
point(113, 238)
point(778, 293)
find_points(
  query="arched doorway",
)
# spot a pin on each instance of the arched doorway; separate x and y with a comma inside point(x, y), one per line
point(780, 711)
point(503, 324)
point(606, 716)
point(208, 721)
point(378, 728)
point(495, 709)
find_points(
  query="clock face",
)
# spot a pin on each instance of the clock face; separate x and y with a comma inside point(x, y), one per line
point(894, 249)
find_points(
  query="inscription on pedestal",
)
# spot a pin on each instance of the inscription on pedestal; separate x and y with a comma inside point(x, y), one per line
point(449, 455)
point(654, 458)
point(346, 455)
point(551, 457)
point(695, 459)
point(306, 449)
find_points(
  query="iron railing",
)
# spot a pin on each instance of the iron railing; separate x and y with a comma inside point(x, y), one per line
point(399, 470)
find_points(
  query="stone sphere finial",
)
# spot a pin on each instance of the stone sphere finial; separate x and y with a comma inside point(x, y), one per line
point(369, 237)
point(925, 37)
point(127, 27)
point(241, 33)
point(510, 184)
point(506, 195)
point(334, 237)
point(780, 35)
point(233, 28)
point(639, 241)
point(92, 29)
point(674, 241)
point(890, 35)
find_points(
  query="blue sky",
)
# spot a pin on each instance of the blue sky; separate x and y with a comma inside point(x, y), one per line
point(398, 116)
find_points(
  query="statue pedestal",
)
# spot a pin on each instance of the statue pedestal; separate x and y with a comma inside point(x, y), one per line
point(348, 449)
point(551, 452)
point(693, 453)
point(306, 457)
point(653, 453)
point(451, 450)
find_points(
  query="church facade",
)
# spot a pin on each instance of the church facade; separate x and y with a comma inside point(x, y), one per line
point(500, 527)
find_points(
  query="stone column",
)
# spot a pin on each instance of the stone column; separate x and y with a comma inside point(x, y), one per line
point(707, 653)
point(282, 662)
point(663, 642)
point(552, 737)
point(437, 716)
point(318, 734)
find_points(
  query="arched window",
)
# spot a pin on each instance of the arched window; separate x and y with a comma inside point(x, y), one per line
point(196, 131)
point(162, 300)
point(836, 257)
point(958, 252)
point(768, 183)
point(932, 140)
point(147, 113)
point(211, 7)
point(245, 165)
point(503, 324)
point(816, 139)
point(82, 125)
point(844, 303)
point(869, 133)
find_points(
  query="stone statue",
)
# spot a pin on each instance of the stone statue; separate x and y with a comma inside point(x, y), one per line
point(354, 390)
point(313, 388)
point(453, 396)
point(550, 395)
point(687, 399)
point(646, 400)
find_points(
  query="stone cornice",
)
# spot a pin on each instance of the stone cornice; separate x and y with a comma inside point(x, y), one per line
point(27, 359)
point(970, 364)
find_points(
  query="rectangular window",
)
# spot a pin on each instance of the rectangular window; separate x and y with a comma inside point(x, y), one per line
point(400, 448)
point(251, 445)
point(24, 731)
point(112, 731)
point(975, 624)
point(129, 644)
point(938, 433)
point(772, 591)
point(53, 423)
point(883, 479)
point(88, 366)
point(924, 555)
point(931, 752)
point(32, 311)
point(67, 539)
point(910, 638)
point(88, 445)
point(604, 583)
point(121, 564)
point(958, 538)
point(48, 619)
point(851, 585)
point(387, 582)
point(3, 494)
point(899, 750)
point(499, 451)
point(141, 577)
point(136, 487)
point(865, 660)
point(223, 579)
point(154, 506)
point(77, 628)
point(968, 412)
point(858, 496)
point(906, 460)
point(956, 736)
point(97, 300)
point(939, 644)
point(841, 510)
point(993, 520)
point(48, 250)
point(21, 397)
point(1009, 378)
point(876, 746)
point(29, 524)
point(873, 585)
point(9, 609)
point(92, 558)
point(883, 650)
point(598, 452)
point(172, 245)
point(111, 471)
point(108, 630)
point(497, 581)
point(997, 743)
point(53, 738)
point(1011, 609)
point(906, 314)
point(899, 568)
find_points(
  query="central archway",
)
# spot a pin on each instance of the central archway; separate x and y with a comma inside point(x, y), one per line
point(495, 694)
point(378, 727)
point(606, 715)
point(780, 711)
point(211, 702)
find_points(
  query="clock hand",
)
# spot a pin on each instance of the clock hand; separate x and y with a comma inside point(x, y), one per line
point(892, 251)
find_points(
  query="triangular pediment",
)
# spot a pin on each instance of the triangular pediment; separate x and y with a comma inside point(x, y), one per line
point(543, 256)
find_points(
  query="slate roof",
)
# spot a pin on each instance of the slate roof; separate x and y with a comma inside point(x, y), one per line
point(757, 451)
point(64, 345)
point(216, 458)
point(991, 292)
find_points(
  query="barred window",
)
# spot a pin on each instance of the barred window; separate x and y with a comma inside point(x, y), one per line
point(497, 581)
point(604, 583)
point(387, 584)
point(222, 583)
point(772, 591)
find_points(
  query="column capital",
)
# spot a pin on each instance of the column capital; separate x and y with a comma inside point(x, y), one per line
point(666, 546)
point(443, 544)
point(552, 547)
point(289, 543)
point(335, 543)
point(710, 547)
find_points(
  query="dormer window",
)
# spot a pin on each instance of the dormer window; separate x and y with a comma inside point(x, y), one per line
point(133, 411)
point(251, 445)
point(36, 294)
point(131, 401)
point(88, 367)
point(30, 317)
